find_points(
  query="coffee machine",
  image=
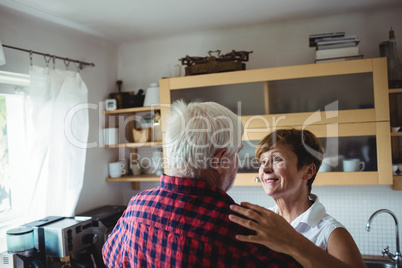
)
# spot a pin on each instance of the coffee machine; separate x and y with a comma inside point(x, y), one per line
point(52, 242)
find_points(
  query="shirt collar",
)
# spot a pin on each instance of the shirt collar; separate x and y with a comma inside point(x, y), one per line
point(313, 215)
point(191, 187)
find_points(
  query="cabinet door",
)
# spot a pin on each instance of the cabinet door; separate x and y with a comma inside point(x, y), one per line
point(395, 97)
point(367, 142)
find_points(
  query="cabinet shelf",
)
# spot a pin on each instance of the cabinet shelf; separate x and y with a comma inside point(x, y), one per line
point(324, 178)
point(247, 179)
point(270, 74)
point(136, 145)
point(133, 110)
point(359, 116)
point(395, 90)
point(144, 177)
point(397, 185)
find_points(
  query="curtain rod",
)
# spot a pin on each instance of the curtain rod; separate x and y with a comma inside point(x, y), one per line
point(81, 63)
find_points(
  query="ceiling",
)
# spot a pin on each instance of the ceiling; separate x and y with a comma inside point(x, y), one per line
point(128, 20)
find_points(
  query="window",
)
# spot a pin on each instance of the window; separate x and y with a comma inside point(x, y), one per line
point(5, 192)
point(12, 148)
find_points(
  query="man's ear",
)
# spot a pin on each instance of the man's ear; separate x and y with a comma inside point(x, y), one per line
point(217, 160)
point(310, 171)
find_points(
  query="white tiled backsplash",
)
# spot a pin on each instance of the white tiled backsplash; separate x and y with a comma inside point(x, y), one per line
point(350, 205)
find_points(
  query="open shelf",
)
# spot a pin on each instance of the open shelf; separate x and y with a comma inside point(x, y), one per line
point(136, 145)
point(397, 185)
point(133, 110)
point(143, 177)
point(395, 90)
point(323, 178)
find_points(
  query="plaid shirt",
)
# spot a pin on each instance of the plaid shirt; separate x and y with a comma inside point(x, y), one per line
point(184, 223)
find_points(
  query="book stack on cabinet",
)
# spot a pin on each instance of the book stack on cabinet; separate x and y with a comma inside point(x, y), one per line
point(336, 46)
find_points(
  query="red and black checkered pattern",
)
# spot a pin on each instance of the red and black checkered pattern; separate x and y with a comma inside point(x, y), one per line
point(184, 223)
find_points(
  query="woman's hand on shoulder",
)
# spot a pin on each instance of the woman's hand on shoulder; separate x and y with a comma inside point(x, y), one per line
point(274, 232)
point(271, 230)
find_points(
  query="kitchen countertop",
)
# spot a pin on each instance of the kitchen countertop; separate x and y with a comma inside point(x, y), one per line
point(376, 257)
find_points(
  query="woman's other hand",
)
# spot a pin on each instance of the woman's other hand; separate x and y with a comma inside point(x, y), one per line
point(274, 232)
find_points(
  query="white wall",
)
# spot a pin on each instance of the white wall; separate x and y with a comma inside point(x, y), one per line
point(274, 44)
point(20, 31)
point(281, 44)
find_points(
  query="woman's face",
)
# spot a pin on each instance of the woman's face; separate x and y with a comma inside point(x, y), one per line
point(279, 174)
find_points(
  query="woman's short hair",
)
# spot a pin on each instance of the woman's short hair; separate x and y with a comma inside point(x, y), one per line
point(302, 142)
point(194, 134)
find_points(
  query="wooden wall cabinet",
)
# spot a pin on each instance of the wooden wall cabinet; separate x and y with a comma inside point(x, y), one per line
point(373, 121)
point(395, 136)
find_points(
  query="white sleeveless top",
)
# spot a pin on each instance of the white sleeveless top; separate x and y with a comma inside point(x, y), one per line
point(315, 224)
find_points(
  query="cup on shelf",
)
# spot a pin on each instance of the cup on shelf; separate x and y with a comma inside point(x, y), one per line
point(334, 163)
point(117, 169)
point(152, 95)
point(395, 129)
point(174, 70)
point(135, 168)
point(394, 169)
point(124, 162)
point(351, 165)
point(325, 165)
point(110, 136)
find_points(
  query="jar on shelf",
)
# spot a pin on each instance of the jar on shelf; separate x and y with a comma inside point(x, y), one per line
point(156, 127)
point(389, 49)
point(152, 95)
point(135, 168)
point(157, 161)
point(135, 164)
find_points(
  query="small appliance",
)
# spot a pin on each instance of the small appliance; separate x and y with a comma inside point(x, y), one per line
point(103, 221)
point(51, 242)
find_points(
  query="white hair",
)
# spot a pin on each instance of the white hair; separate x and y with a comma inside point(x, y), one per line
point(194, 134)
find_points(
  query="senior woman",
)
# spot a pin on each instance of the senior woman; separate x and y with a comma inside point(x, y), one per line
point(298, 225)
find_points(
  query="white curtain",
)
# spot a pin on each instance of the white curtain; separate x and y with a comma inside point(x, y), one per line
point(55, 163)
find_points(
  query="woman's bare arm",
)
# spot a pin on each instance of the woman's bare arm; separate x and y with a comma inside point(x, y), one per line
point(276, 233)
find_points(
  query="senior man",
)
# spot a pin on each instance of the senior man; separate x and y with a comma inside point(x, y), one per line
point(184, 221)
